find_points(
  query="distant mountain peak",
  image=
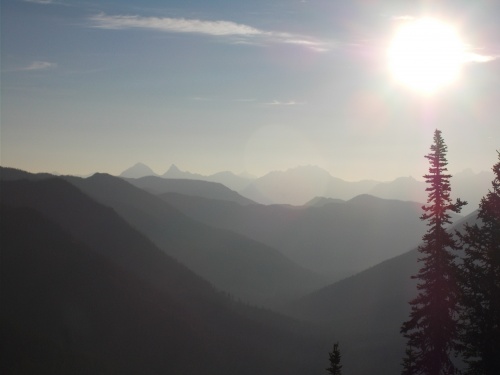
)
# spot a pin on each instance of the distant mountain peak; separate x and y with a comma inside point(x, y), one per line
point(175, 172)
point(173, 168)
point(138, 170)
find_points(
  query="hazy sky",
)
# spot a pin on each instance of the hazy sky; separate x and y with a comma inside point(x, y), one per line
point(249, 86)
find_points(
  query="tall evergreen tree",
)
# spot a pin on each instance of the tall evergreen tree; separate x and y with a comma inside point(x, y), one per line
point(335, 366)
point(480, 285)
point(432, 328)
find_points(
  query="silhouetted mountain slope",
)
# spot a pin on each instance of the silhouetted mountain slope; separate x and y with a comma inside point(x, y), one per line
point(206, 189)
point(321, 201)
point(366, 311)
point(12, 174)
point(66, 309)
point(243, 267)
point(337, 239)
point(97, 226)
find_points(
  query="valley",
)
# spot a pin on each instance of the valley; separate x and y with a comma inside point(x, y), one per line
point(197, 256)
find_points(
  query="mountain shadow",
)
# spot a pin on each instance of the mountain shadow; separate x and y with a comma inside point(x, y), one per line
point(84, 292)
point(337, 239)
point(249, 270)
point(198, 188)
point(366, 312)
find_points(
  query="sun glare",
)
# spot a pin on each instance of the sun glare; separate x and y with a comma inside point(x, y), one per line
point(426, 55)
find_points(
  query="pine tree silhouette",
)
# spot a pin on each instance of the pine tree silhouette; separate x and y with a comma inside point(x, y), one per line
point(432, 328)
point(480, 285)
point(409, 367)
point(335, 366)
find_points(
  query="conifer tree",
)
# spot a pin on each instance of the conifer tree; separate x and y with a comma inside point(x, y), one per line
point(335, 366)
point(409, 367)
point(432, 327)
point(480, 285)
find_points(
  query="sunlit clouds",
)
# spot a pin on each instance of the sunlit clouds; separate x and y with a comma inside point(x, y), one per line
point(318, 46)
point(42, 2)
point(36, 66)
point(287, 103)
point(218, 28)
point(177, 25)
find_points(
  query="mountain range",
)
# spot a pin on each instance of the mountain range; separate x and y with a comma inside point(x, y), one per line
point(99, 275)
point(197, 188)
point(325, 238)
point(226, 178)
point(243, 267)
point(299, 185)
point(366, 311)
point(84, 292)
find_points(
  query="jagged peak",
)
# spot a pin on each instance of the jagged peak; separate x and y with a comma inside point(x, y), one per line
point(138, 170)
point(173, 168)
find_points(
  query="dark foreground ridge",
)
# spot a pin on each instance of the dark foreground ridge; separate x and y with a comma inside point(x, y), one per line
point(84, 292)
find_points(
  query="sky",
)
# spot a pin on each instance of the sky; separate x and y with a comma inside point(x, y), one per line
point(250, 87)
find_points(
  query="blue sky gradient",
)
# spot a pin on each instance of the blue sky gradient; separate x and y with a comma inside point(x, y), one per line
point(255, 86)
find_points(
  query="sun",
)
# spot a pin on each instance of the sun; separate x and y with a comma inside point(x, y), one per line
point(426, 55)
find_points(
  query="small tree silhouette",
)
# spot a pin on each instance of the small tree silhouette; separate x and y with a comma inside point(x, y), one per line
point(335, 366)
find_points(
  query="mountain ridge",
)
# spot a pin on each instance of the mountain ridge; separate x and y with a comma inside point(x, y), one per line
point(208, 189)
point(249, 270)
point(325, 238)
point(71, 304)
point(369, 306)
point(299, 185)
